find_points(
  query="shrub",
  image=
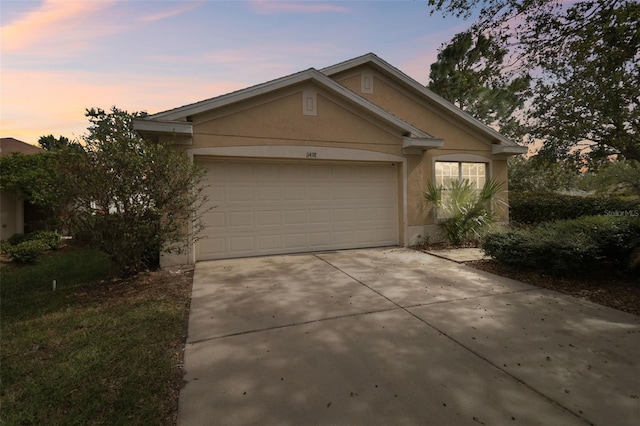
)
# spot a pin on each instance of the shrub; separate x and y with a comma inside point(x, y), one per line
point(27, 251)
point(4, 246)
point(538, 207)
point(17, 239)
point(569, 246)
point(25, 248)
point(467, 210)
point(131, 197)
point(52, 239)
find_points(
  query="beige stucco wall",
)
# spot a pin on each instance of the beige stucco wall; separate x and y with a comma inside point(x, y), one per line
point(11, 215)
point(459, 139)
point(277, 119)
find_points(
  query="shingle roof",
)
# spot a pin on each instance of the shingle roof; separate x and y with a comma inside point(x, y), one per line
point(10, 145)
point(166, 119)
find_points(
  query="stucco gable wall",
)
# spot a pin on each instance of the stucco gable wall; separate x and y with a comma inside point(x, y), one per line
point(278, 119)
point(401, 103)
point(459, 138)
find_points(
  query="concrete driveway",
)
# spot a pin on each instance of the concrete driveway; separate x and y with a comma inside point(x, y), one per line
point(398, 337)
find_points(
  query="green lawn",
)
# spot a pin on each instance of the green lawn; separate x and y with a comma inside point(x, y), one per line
point(95, 351)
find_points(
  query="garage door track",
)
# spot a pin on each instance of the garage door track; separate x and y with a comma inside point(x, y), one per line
point(394, 336)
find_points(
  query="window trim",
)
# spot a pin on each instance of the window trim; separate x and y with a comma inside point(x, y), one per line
point(458, 158)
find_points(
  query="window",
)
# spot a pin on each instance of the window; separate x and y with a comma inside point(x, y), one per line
point(449, 171)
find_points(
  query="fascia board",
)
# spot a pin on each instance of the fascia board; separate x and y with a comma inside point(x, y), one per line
point(163, 126)
point(508, 150)
point(390, 69)
point(424, 144)
point(347, 65)
point(232, 97)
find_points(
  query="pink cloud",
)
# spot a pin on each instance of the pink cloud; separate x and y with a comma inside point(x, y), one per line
point(188, 7)
point(53, 17)
point(266, 7)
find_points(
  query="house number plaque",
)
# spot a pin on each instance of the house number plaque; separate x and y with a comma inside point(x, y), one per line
point(312, 155)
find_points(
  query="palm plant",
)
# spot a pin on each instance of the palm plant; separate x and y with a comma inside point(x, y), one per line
point(466, 210)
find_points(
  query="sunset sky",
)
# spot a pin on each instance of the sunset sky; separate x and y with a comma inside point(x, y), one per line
point(59, 57)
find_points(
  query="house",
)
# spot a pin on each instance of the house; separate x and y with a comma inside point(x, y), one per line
point(327, 159)
point(13, 209)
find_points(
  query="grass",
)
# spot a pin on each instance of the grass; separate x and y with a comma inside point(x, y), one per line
point(96, 350)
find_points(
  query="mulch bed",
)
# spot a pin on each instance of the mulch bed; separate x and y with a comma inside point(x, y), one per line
point(608, 288)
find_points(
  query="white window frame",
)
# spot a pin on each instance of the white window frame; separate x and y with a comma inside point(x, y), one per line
point(459, 159)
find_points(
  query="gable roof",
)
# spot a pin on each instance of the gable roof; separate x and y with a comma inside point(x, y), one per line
point(177, 120)
point(11, 145)
point(424, 92)
point(167, 121)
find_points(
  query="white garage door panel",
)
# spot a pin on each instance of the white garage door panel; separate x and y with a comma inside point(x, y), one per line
point(272, 208)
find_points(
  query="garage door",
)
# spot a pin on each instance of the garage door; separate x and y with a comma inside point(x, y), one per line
point(261, 208)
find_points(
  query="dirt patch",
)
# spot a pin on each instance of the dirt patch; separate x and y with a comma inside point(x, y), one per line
point(606, 288)
point(172, 282)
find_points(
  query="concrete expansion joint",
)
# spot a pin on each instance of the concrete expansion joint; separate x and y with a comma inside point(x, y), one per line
point(464, 299)
point(295, 324)
point(462, 345)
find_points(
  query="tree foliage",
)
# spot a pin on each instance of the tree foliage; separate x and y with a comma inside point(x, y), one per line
point(534, 174)
point(586, 61)
point(50, 143)
point(620, 178)
point(587, 97)
point(35, 178)
point(471, 73)
point(131, 197)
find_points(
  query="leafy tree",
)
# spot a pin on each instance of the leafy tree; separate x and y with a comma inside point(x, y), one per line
point(470, 73)
point(539, 175)
point(50, 143)
point(618, 178)
point(35, 178)
point(587, 99)
point(132, 198)
point(586, 63)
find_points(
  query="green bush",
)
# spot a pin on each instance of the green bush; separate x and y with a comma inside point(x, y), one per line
point(569, 246)
point(52, 239)
point(4, 246)
point(16, 239)
point(537, 207)
point(27, 251)
point(25, 248)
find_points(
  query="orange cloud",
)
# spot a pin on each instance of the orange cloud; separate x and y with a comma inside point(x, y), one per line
point(266, 7)
point(37, 103)
point(53, 17)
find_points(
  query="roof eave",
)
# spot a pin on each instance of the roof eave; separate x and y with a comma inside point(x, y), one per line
point(237, 96)
point(145, 125)
point(416, 146)
point(422, 143)
point(508, 150)
point(169, 117)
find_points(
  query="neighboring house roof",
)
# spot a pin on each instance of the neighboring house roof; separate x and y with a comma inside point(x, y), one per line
point(10, 145)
